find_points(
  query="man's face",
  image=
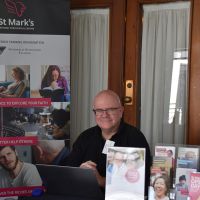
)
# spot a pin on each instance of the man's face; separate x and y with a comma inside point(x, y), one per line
point(8, 159)
point(118, 158)
point(108, 119)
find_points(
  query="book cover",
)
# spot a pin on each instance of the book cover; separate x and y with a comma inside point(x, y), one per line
point(194, 186)
point(163, 165)
point(161, 172)
point(56, 94)
point(188, 157)
point(159, 187)
point(125, 173)
point(165, 151)
point(182, 182)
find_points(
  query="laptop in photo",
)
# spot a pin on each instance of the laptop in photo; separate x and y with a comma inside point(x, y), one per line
point(73, 183)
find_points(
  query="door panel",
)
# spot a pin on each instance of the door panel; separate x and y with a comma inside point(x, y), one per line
point(194, 88)
point(132, 65)
point(116, 43)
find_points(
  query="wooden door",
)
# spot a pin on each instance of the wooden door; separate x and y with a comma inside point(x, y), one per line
point(117, 10)
point(132, 65)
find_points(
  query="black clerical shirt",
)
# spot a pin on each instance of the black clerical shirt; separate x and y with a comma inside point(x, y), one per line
point(90, 143)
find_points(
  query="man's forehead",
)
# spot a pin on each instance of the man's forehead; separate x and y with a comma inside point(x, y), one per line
point(106, 101)
point(6, 149)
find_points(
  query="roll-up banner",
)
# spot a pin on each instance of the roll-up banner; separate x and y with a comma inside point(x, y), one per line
point(34, 91)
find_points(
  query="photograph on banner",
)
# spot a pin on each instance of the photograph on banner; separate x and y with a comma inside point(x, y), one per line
point(51, 122)
point(50, 152)
point(18, 176)
point(53, 81)
point(14, 81)
point(125, 171)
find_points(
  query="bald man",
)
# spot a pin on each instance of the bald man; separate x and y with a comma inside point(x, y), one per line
point(50, 151)
point(88, 149)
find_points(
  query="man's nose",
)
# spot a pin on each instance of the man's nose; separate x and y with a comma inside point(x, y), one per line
point(105, 113)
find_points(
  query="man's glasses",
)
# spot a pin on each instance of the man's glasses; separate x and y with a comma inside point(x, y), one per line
point(110, 111)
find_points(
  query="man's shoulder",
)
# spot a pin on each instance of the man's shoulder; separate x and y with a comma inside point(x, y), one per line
point(91, 131)
point(130, 129)
point(133, 135)
point(28, 166)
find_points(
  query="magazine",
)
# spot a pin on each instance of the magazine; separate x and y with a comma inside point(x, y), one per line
point(161, 167)
point(163, 164)
point(182, 182)
point(194, 186)
point(165, 151)
point(125, 173)
point(188, 157)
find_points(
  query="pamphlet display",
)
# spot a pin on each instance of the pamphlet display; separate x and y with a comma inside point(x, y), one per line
point(180, 166)
point(34, 57)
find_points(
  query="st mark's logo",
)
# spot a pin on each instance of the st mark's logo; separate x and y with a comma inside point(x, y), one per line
point(15, 7)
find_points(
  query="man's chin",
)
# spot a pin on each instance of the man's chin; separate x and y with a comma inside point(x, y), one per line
point(11, 167)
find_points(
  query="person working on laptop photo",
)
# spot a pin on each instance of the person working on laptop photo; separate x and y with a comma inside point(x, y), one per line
point(89, 150)
point(50, 152)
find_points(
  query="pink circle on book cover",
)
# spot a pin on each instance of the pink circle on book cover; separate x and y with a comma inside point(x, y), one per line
point(132, 175)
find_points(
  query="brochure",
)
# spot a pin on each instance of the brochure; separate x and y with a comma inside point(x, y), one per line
point(182, 183)
point(188, 157)
point(125, 173)
point(194, 186)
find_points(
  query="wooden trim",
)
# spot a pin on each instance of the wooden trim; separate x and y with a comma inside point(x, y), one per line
point(117, 38)
point(194, 86)
point(131, 57)
point(78, 4)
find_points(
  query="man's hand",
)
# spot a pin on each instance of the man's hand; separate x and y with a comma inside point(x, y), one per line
point(92, 165)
